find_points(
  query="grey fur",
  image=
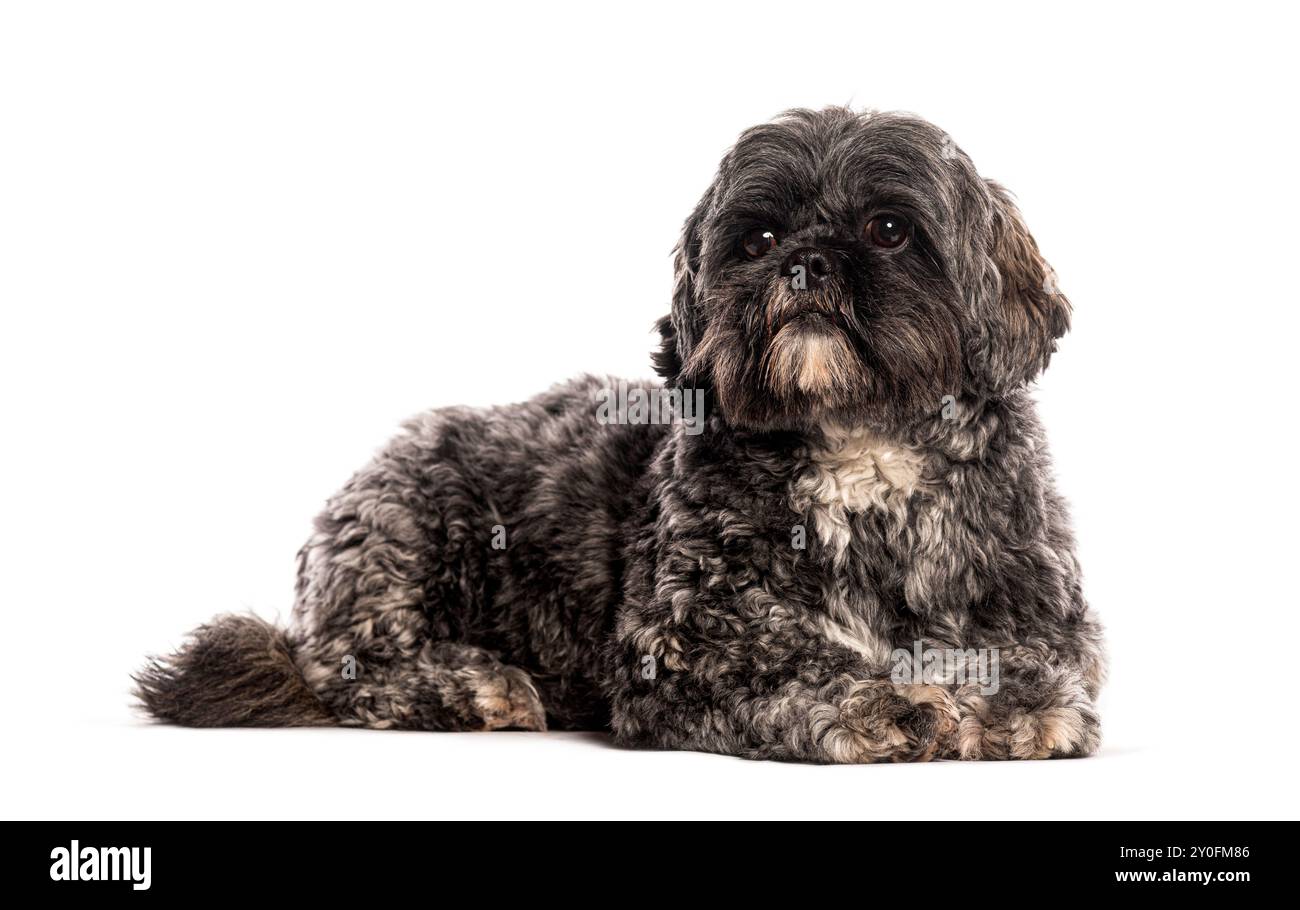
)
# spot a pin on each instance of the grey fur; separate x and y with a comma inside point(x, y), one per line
point(649, 584)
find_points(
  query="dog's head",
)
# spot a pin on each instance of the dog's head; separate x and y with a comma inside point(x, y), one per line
point(855, 268)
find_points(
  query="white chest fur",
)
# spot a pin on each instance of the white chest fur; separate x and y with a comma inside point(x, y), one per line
point(854, 470)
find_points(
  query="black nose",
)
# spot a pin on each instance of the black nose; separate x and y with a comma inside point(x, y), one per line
point(809, 267)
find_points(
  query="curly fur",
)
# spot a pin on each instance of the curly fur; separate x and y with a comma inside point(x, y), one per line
point(528, 567)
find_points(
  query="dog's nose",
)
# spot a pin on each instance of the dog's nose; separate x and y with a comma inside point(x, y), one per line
point(809, 267)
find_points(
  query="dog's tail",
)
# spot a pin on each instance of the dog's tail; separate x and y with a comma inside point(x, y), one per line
point(236, 671)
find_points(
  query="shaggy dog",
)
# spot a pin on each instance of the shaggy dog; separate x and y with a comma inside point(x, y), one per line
point(807, 572)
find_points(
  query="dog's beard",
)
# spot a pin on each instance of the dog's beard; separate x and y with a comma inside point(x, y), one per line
point(790, 360)
point(809, 356)
point(784, 361)
point(808, 352)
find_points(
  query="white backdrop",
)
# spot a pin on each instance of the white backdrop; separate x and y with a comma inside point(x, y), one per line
point(239, 242)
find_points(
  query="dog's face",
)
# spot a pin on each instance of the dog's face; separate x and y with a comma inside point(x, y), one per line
point(854, 268)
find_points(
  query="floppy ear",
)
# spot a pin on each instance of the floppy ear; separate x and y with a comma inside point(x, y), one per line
point(1029, 312)
point(667, 362)
point(680, 331)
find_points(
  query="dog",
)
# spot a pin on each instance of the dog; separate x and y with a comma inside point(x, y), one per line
point(868, 486)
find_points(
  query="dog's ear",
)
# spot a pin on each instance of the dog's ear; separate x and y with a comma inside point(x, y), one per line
point(1029, 312)
point(667, 362)
point(679, 332)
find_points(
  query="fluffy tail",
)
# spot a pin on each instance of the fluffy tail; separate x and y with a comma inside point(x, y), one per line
point(236, 671)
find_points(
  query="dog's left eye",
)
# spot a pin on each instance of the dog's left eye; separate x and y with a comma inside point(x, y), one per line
point(758, 242)
point(888, 231)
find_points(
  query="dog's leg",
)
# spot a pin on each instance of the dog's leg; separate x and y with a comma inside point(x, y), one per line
point(774, 699)
point(449, 686)
point(382, 591)
point(384, 663)
point(383, 669)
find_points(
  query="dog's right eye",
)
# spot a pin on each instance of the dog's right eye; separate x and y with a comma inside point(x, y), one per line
point(758, 242)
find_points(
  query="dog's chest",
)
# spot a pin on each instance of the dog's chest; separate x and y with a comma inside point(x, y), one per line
point(852, 475)
point(858, 491)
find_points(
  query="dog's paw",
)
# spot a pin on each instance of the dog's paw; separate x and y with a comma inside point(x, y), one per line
point(1068, 731)
point(878, 721)
point(1058, 729)
point(932, 723)
point(508, 700)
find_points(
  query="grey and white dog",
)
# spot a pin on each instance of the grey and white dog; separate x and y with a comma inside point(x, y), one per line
point(862, 312)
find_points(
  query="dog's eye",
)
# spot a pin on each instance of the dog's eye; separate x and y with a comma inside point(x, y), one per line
point(888, 231)
point(758, 242)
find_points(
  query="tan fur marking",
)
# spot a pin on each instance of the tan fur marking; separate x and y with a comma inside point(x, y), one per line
point(508, 700)
point(816, 361)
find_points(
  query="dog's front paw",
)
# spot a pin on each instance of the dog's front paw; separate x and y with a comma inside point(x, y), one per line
point(1062, 727)
point(1068, 731)
point(878, 721)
